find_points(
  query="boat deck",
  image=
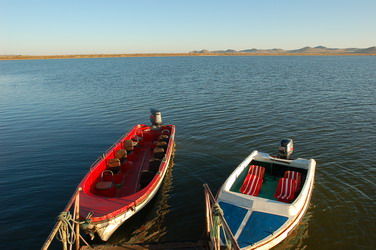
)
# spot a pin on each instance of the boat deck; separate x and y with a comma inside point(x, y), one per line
point(250, 226)
point(131, 180)
point(268, 188)
point(270, 182)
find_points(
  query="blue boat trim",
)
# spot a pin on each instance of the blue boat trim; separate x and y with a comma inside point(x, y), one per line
point(234, 215)
point(259, 226)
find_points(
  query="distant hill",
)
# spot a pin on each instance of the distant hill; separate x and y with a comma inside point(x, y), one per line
point(306, 50)
point(249, 50)
point(370, 50)
point(224, 51)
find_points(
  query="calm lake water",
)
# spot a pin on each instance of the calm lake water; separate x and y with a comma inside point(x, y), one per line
point(58, 116)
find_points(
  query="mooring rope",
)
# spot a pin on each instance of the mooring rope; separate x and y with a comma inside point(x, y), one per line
point(217, 222)
point(66, 228)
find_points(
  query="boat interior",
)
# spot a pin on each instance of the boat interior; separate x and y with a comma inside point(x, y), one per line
point(131, 164)
point(272, 181)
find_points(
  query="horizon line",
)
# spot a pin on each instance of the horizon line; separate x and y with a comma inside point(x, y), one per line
point(186, 52)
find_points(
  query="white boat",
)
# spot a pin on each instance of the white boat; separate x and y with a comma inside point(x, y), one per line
point(265, 197)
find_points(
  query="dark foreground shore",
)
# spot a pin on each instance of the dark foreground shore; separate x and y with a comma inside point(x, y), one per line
point(28, 57)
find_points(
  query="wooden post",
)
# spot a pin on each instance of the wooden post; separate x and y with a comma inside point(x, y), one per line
point(207, 207)
point(77, 217)
point(209, 218)
point(58, 224)
point(51, 236)
point(65, 241)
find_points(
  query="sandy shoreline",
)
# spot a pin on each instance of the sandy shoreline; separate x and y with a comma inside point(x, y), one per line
point(28, 57)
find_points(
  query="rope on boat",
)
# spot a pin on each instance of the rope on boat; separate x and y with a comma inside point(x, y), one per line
point(67, 228)
point(217, 223)
point(218, 226)
point(218, 230)
point(66, 231)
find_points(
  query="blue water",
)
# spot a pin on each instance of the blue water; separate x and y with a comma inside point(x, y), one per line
point(58, 116)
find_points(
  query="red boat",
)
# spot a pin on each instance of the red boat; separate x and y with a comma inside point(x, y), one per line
point(126, 178)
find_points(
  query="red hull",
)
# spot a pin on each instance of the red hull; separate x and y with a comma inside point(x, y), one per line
point(129, 186)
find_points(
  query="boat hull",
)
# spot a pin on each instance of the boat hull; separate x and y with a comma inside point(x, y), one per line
point(248, 229)
point(104, 213)
point(106, 229)
point(268, 244)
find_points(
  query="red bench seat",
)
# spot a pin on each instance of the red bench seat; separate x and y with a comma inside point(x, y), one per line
point(286, 190)
point(257, 170)
point(295, 176)
point(251, 185)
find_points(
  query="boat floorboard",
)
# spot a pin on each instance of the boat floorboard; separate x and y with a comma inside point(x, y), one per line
point(131, 181)
point(268, 188)
point(259, 226)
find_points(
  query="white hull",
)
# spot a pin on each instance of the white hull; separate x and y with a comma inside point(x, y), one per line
point(287, 229)
point(293, 212)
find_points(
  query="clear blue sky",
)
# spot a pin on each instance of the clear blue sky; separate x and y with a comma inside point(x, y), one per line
point(129, 26)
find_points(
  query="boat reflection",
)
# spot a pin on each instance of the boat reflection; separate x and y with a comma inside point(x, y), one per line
point(298, 237)
point(152, 218)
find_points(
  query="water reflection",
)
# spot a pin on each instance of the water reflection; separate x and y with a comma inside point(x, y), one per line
point(297, 238)
point(147, 226)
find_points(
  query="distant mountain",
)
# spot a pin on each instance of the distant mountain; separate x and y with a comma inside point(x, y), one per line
point(318, 49)
point(306, 50)
point(201, 51)
point(370, 50)
point(302, 50)
point(224, 51)
point(249, 50)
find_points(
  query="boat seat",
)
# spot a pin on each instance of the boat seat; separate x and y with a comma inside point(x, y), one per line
point(257, 170)
point(106, 186)
point(158, 152)
point(295, 176)
point(165, 132)
point(161, 144)
point(286, 190)
point(115, 162)
point(136, 140)
point(251, 185)
point(163, 138)
point(114, 165)
point(121, 154)
point(128, 145)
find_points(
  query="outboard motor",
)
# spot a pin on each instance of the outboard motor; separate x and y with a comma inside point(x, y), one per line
point(156, 118)
point(286, 149)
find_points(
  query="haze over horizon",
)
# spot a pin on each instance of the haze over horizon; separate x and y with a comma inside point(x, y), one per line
point(41, 27)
